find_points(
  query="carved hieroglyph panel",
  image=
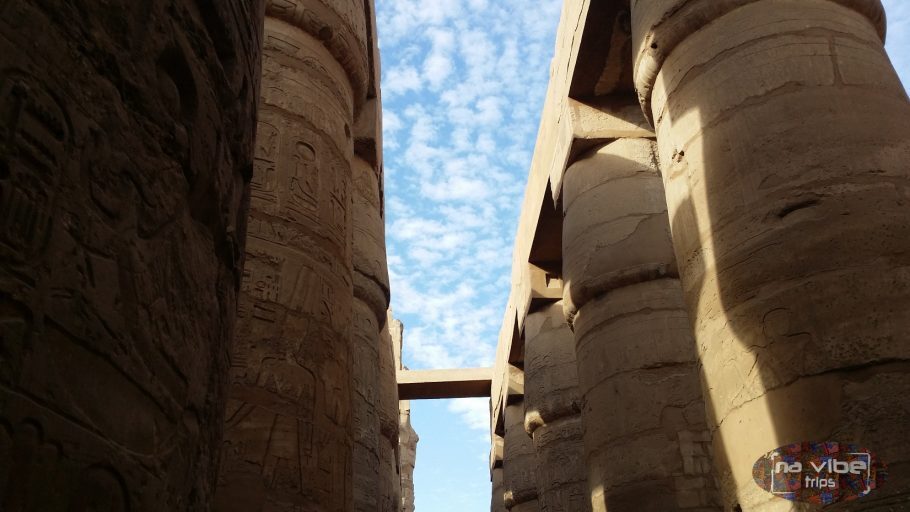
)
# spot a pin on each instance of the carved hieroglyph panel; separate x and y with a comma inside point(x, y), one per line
point(122, 178)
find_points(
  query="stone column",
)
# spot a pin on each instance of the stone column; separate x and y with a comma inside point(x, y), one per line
point(497, 504)
point(390, 476)
point(407, 442)
point(644, 417)
point(288, 427)
point(553, 411)
point(126, 144)
point(519, 463)
point(370, 303)
point(784, 136)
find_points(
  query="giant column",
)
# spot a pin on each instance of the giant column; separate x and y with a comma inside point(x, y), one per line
point(388, 408)
point(784, 137)
point(370, 301)
point(553, 411)
point(126, 146)
point(407, 439)
point(644, 416)
point(519, 463)
point(288, 427)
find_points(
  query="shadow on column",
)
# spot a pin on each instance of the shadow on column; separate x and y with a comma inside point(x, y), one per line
point(784, 146)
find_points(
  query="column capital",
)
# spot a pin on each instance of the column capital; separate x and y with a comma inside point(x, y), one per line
point(341, 26)
point(659, 26)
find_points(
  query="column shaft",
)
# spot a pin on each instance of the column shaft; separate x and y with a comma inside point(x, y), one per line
point(408, 448)
point(496, 502)
point(289, 426)
point(390, 476)
point(126, 142)
point(644, 417)
point(784, 136)
point(519, 463)
point(553, 411)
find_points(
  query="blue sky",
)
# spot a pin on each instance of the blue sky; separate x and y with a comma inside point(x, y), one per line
point(463, 85)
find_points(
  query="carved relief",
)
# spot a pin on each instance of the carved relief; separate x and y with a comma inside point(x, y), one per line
point(265, 174)
point(35, 138)
point(304, 179)
point(37, 474)
point(115, 308)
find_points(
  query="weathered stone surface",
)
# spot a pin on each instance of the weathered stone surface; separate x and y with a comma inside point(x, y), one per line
point(496, 502)
point(784, 136)
point(519, 463)
point(390, 490)
point(553, 411)
point(615, 230)
point(370, 303)
point(407, 442)
point(389, 478)
point(364, 356)
point(637, 366)
point(126, 143)
point(289, 425)
point(371, 280)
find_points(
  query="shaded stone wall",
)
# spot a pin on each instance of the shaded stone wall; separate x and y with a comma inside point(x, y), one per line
point(289, 426)
point(784, 136)
point(519, 463)
point(644, 417)
point(126, 147)
point(553, 411)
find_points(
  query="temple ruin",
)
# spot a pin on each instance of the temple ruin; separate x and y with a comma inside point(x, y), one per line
point(711, 260)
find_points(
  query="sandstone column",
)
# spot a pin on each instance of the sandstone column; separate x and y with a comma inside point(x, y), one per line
point(519, 463)
point(126, 144)
point(407, 442)
point(784, 136)
point(644, 417)
point(496, 502)
point(370, 303)
point(553, 411)
point(288, 427)
point(389, 461)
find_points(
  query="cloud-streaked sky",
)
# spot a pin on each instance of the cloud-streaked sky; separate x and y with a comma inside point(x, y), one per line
point(463, 85)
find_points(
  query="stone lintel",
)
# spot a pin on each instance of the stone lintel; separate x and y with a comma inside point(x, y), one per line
point(456, 383)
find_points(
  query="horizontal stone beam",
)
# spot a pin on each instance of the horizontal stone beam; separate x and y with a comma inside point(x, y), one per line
point(458, 383)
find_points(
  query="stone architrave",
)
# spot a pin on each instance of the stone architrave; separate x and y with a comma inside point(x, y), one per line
point(519, 463)
point(644, 416)
point(289, 425)
point(126, 148)
point(553, 411)
point(784, 135)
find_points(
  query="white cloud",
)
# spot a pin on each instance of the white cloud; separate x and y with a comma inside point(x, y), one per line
point(399, 80)
point(475, 412)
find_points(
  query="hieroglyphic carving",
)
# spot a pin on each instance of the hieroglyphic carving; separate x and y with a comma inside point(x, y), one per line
point(118, 237)
point(340, 25)
point(35, 138)
point(289, 430)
